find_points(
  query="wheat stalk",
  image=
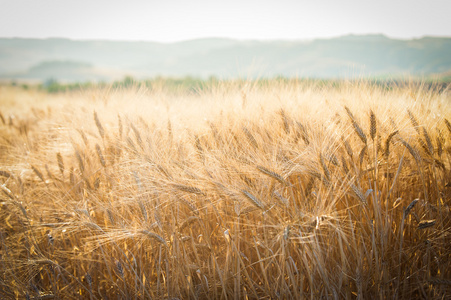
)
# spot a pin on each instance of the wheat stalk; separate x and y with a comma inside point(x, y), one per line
point(80, 160)
point(359, 194)
point(356, 125)
point(38, 173)
point(272, 174)
point(188, 189)
point(373, 128)
point(448, 125)
point(198, 145)
point(303, 133)
point(344, 165)
point(143, 210)
point(59, 158)
point(387, 143)
point(49, 174)
point(324, 167)
point(347, 147)
point(414, 121)
point(250, 137)
point(83, 137)
point(281, 198)
point(137, 135)
point(253, 199)
point(426, 223)
point(99, 125)
point(409, 207)
point(430, 147)
point(362, 154)
point(119, 120)
point(71, 176)
point(189, 205)
point(110, 216)
point(412, 151)
point(120, 269)
point(154, 237)
point(169, 128)
point(100, 155)
point(286, 125)
point(131, 145)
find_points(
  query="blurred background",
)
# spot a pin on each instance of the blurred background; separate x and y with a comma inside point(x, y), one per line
point(51, 41)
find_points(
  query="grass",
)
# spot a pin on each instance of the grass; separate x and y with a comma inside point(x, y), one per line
point(275, 190)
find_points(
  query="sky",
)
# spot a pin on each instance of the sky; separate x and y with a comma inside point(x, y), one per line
point(171, 20)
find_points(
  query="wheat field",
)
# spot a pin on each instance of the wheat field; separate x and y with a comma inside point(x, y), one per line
point(239, 191)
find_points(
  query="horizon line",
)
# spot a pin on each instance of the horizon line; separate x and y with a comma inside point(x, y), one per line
point(226, 38)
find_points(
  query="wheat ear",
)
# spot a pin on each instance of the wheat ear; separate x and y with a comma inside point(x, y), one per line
point(448, 125)
point(356, 125)
point(253, 199)
point(99, 125)
point(414, 121)
point(39, 174)
point(373, 128)
point(154, 237)
point(272, 174)
point(100, 155)
point(59, 158)
point(387, 143)
point(250, 137)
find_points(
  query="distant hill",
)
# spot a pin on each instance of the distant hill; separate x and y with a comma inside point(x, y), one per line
point(347, 56)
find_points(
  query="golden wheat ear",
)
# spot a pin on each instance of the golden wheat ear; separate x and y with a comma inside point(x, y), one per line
point(60, 161)
point(373, 125)
point(253, 199)
point(99, 125)
point(414, 121)
point(356, 126)
point(448, 125)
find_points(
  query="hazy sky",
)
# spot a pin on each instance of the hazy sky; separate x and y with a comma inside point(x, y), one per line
point(171, 20)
